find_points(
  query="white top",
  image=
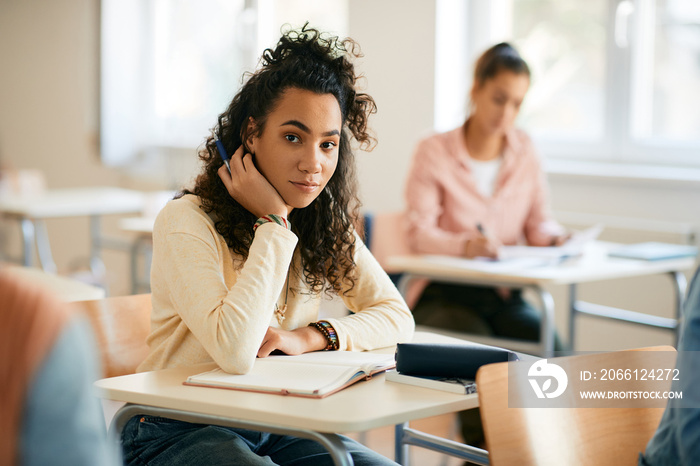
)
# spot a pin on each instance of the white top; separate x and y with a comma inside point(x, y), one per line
point(211, 304)
point(485, 174)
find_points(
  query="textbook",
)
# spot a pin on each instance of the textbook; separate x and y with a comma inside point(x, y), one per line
point(311, 375)
point(446, 384)
point(653, 251)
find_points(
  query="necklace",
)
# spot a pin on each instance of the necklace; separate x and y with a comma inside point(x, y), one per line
point(280, 311)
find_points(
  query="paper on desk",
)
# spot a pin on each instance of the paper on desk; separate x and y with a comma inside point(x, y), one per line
point(586, 236)
point(516, 258)
point(574, 247)
point(488, 265)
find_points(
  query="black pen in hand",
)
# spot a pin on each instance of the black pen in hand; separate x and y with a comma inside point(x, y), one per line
point(489, 240)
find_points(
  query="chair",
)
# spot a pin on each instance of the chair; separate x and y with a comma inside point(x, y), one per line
point(121, 325)
point(385, 236)
point(568, 435)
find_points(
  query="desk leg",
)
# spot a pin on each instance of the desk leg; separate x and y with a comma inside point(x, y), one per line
point(400, 447)
point(406, 436)
point(141, 247)
point(43, 246)
point(28, 237)
point(134, 265)
point(331, 442)
point(547, 325)
point(572, 316)
point(97, 266)
point(680, 285)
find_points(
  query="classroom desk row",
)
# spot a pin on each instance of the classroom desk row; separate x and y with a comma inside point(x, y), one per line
point(94, 202)
point(594, 265)
point(32, 211)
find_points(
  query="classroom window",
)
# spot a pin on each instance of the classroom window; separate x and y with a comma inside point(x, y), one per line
point(170, 67)
point(613, 80)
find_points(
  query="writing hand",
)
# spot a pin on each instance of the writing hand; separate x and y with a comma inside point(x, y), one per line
point(560, 240)
point(297, 341)
point(250, 188)
point(483, 245)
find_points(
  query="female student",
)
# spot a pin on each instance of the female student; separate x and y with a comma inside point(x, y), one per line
point(475, 188)
point(240, 261)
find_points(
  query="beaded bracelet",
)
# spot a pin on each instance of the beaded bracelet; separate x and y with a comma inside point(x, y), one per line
point(329, 332)
point(278, 219)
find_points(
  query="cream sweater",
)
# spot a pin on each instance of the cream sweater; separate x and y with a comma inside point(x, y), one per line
point(211, 305)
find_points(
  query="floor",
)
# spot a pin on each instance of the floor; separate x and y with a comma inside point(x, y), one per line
point(382, 441)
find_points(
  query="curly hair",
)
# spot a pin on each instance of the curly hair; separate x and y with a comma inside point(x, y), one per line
point(309, 60)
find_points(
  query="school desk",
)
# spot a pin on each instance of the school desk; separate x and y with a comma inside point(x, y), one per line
point(363, 406)
point(93, 202)
point(141, 248)
point(593, 265)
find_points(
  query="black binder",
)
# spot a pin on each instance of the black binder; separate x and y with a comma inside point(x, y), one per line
point(447, 360)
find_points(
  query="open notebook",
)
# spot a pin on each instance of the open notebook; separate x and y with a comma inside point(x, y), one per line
point(313, 375)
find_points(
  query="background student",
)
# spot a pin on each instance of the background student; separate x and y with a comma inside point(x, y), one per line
point(471, 190)
point(241, 260)
point(48, 364)
point(677, 439)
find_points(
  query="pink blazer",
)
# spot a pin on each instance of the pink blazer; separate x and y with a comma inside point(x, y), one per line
point(444, 205)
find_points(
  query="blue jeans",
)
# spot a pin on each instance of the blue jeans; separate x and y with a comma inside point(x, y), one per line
point(154, 441)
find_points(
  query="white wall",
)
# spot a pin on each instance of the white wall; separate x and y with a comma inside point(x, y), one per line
point(398, 40)
point(48, 89)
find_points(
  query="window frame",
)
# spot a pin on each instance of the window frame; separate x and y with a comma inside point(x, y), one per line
point(617, 144)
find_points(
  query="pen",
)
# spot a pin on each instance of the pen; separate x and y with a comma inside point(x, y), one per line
point(222, 151)
point(490, 240)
